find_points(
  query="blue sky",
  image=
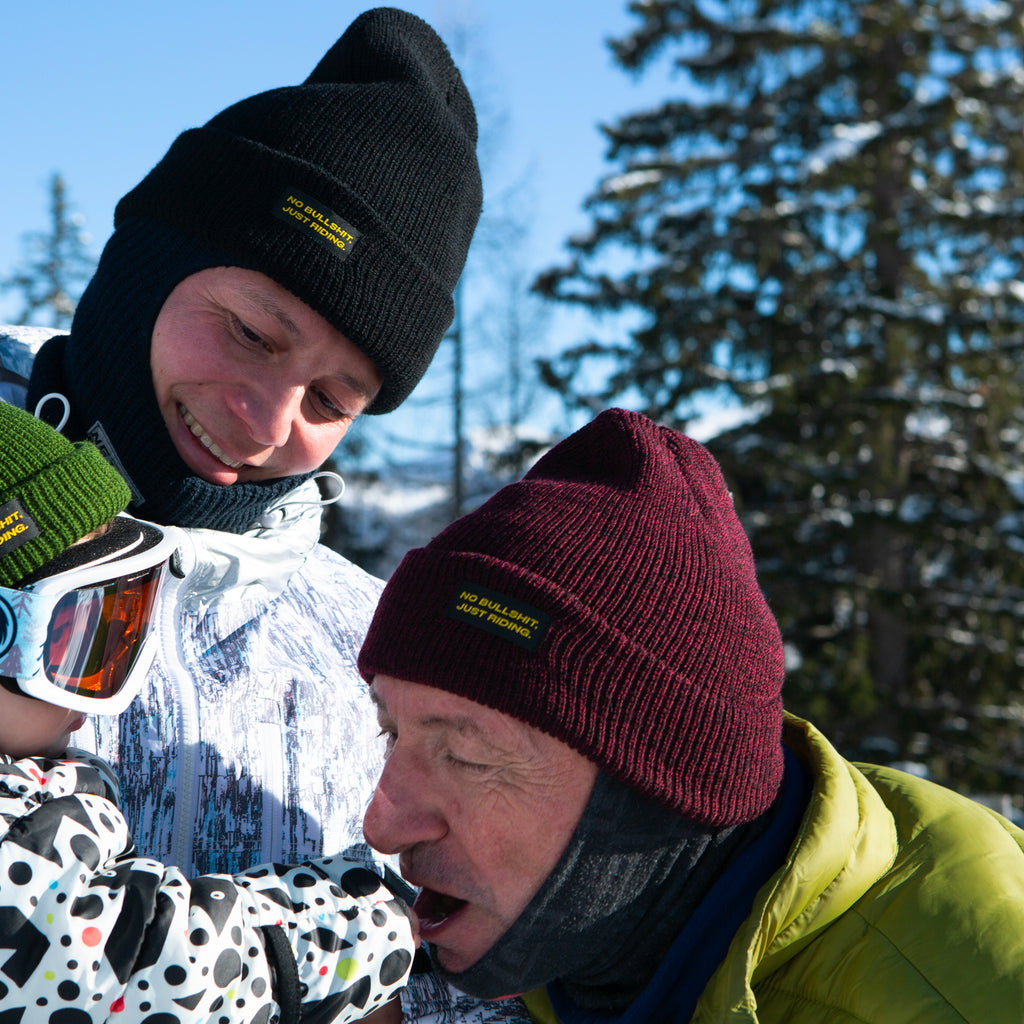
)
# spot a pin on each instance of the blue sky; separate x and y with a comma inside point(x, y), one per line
point(98, 91)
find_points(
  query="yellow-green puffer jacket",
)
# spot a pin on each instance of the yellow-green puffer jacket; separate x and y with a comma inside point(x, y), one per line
point(901, 902)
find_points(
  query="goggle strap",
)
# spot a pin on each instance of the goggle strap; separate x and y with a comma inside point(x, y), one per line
point(24, 617)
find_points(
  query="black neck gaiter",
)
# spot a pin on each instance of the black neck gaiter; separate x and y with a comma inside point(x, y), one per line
point(611, 908)
point(103, 369)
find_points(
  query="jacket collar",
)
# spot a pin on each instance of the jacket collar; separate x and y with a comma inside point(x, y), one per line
point(226, 569)
point(845, 843)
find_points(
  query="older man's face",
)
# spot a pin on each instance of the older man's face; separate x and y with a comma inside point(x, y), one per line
point(479, 806)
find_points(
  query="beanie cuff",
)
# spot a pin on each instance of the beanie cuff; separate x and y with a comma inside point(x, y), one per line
point(715, 762)
point(68, 498)
point(384, 300)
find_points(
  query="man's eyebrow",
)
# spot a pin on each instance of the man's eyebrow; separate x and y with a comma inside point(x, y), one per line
point(362, 389)
point(272, 309)
point(377, 702)
point(462, 724)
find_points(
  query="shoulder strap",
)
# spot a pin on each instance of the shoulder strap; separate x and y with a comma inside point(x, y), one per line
point(286, 974)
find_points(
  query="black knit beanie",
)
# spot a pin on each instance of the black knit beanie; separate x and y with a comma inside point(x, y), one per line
point(357, 190)
point(377, 146)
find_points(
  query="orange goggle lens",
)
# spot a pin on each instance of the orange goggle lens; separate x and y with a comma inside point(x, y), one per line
point(96, 633)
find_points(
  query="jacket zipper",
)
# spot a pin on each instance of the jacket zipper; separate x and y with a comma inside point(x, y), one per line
point(186, 704)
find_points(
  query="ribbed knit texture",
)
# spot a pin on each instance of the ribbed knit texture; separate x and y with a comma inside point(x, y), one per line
point(382, 134)
point(67, 490)
point(662, 662)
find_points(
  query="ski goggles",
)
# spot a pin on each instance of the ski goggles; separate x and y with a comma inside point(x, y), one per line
point(81, 638)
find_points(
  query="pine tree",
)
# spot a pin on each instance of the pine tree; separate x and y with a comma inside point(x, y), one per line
point(826, 227)
point(57, 264)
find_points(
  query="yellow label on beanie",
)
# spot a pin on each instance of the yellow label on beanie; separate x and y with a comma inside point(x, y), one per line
point(16, 527)
point(499, 614)
point(318, 221)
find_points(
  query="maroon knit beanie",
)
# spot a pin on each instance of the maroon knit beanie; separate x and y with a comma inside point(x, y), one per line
point(609, 599)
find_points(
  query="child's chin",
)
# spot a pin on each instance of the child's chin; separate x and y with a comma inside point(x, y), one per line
point(59, 747)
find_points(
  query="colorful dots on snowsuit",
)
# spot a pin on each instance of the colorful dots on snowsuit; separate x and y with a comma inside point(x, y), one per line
point(120, 937)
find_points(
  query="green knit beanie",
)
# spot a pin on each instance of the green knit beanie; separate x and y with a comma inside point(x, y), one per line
point(52, 493)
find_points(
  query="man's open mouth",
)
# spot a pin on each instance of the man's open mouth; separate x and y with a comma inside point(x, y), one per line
point(434, 908)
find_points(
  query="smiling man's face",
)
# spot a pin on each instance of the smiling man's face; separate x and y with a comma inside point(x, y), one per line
point(479, 806)
point(253, 384)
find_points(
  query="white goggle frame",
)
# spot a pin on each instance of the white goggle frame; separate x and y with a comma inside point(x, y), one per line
point(26, 616)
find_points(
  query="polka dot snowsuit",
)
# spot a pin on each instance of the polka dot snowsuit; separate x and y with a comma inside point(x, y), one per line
point(90, 931)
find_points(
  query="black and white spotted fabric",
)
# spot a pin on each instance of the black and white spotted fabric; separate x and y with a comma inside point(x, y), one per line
point(90, 931)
